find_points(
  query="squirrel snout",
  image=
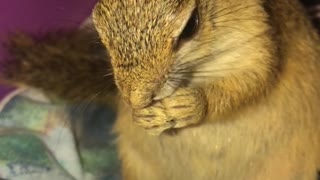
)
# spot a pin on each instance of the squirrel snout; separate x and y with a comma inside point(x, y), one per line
point(140, 99)
point(141, 96)
point(141, 92)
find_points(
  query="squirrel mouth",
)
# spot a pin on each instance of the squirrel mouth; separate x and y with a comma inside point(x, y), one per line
point(173, 81)
point(164, 92)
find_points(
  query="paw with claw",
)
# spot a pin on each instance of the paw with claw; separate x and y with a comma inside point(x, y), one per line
point(184, 108)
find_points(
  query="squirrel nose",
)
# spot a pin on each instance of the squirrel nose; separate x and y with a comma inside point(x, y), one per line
point(140, 99)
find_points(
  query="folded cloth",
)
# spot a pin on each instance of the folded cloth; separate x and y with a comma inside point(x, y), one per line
point(37, 137)
point(37, 141)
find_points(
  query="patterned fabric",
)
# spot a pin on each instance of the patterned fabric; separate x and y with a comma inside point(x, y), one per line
point(37, 142)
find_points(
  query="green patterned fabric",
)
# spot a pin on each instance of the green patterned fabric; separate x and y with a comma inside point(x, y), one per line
point(38, 140)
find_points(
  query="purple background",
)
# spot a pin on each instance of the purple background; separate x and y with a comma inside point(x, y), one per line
point(38, 16)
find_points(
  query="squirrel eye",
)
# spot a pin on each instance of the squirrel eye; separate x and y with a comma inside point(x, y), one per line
point(191, 27)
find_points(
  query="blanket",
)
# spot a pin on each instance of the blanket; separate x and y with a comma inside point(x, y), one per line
point(37, 140)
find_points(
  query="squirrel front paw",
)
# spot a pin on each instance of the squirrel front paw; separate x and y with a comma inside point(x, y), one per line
point(185, 107)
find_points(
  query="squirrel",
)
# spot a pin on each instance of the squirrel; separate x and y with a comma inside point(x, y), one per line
point(208, 89)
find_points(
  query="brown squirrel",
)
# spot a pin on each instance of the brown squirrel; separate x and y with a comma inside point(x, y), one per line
point(212, 89)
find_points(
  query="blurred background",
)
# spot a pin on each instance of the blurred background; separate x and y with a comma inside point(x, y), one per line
point(37, 137)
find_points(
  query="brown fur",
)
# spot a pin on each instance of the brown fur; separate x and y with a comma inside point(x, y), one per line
point(69, 65)
point(261, 89)
point(242, 96)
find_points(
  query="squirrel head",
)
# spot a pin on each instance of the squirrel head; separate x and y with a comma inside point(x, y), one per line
point(160, 45)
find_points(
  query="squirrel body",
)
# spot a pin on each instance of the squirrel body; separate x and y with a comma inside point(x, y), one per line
point(255, 117)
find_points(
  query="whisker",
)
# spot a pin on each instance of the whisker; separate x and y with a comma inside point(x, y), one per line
point(173, 84)
point(234, 28)
point(89, 99)
point(241, 19)
point(218, 15)
point(109, 74)
point(220, 53)
point(178, 79)
point(193, 62)
point(214, 70)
